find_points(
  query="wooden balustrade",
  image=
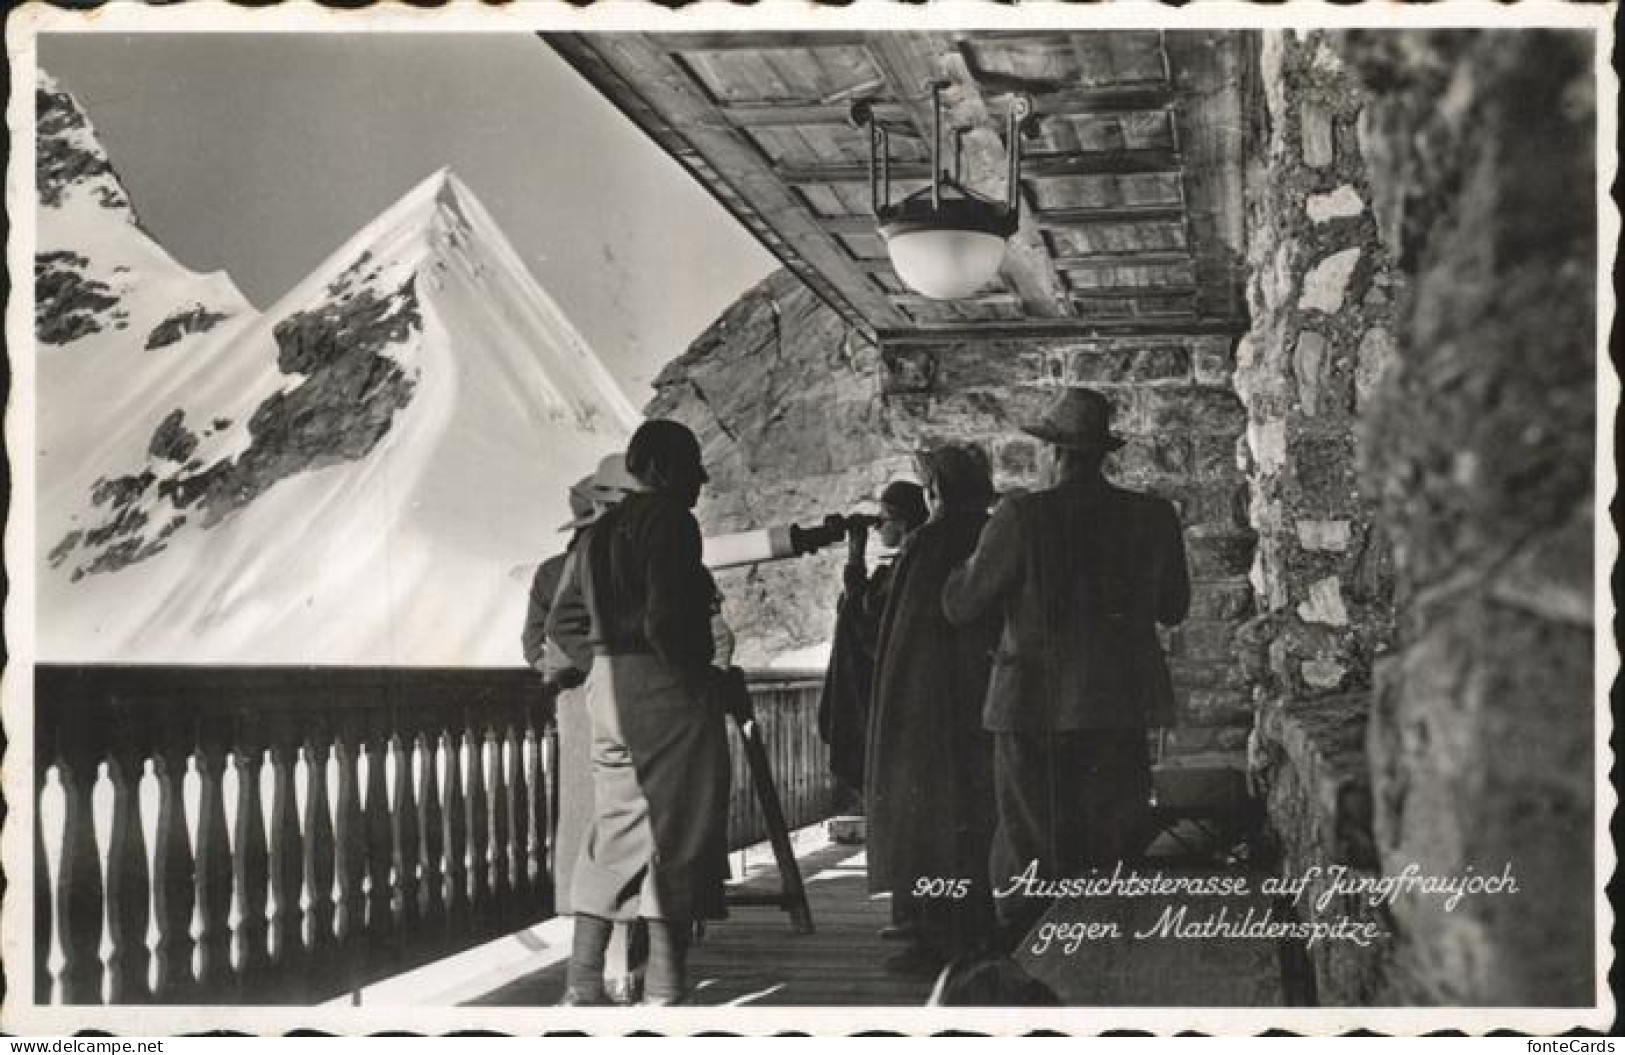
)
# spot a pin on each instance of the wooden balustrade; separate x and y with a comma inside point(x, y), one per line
point(313, 829)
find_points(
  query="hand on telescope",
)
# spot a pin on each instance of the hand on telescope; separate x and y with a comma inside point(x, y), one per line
point(857, 539)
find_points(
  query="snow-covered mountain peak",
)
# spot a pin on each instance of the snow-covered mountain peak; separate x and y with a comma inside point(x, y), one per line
point(371, 456)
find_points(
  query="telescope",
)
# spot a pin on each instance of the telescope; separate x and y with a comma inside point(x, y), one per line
point(780, 542)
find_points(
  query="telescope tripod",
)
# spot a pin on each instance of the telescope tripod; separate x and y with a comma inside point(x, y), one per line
point(792, 895)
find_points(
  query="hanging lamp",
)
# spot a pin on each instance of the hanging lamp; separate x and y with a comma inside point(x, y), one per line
point(945, 241)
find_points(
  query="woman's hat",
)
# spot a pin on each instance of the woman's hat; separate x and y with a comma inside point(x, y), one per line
point(1081, 417)
point(606, 486)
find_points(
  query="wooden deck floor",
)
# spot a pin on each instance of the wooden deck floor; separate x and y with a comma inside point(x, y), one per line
point(754, 957)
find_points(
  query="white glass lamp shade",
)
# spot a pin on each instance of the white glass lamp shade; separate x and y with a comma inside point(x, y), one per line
point(944, 263)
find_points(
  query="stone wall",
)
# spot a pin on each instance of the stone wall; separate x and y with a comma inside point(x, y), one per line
point(799, 417)
point(1321, 294)
point(1480, 446)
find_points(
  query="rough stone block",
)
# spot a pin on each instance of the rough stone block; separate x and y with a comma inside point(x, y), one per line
point(1318, 135)
point(1214, 458)
point(1218, 507)
point(1190, 675)
point(1193, 410)
point(1340, 204)
point(1266, 440)
point(1376, 351)
point(1161, 363)
point(1324, 536)
point(1326, 675)
point(1325, 603)
point(1017, 457)
point(1326, 285)
point(907, 370)
point(1206, 640)
point(1117, 366)
point(1323, 472)
point(1209, 707)
point(1309, 366)
point(1220, 556)
point(1213, 364)
point(1153, 456)
point(1221, 600)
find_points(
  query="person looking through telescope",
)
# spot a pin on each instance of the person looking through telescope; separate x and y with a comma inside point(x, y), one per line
point(843, 708)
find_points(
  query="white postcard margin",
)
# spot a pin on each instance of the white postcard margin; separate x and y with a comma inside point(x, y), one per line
point(20, 1016)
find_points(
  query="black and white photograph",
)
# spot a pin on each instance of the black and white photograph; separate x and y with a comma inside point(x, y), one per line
point(908, 517)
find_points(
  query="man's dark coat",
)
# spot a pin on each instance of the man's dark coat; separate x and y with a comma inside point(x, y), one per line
point(1081, 574)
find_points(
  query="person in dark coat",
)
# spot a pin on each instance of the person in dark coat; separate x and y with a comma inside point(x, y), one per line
point(660, 751)
point(843, 709)
point(1079, 574)
point(928, 774)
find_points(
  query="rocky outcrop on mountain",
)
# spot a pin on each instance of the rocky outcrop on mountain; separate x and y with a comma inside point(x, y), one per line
point(349, 394)
point(196, 319)
point(65, 154)
point(173, 440)
point(68, 302)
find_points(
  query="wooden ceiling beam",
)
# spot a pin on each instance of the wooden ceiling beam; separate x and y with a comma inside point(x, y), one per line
point(1043, 166)
point(636, 72)
point(911, 63)
point(1093, 216)
point(1128, 292)
point(1067, 102)
point(1145, 258)
point(780, 115)
point(1081, 216)
point(984, 300)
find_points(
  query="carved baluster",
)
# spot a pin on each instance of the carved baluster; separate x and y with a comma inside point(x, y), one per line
point(518, 811)
point(404, 829)
point(541, 790)
point(534, 806)
point(319, 861)
point(350, 848)
point(431, 880)
point(479, 830)
point(501, 801)
point(129, 888)
point(550, 762)
point(174, 881)
point(456, 825)
point(79, 879)
point(213, 867)
point(251, 869)
point(287, 853)
point(379, 850)
point(44, 911)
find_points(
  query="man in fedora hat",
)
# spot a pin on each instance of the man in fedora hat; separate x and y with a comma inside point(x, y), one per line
point(1081, 573)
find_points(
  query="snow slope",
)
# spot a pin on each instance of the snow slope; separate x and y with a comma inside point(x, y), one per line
point(350, 477)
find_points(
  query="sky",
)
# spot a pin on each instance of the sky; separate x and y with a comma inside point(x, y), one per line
point(261, 153)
